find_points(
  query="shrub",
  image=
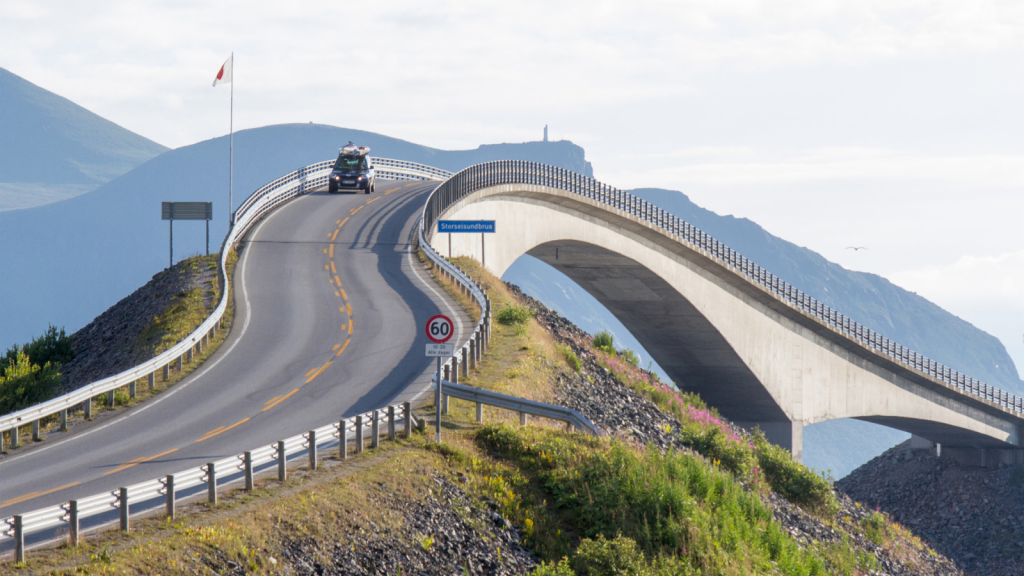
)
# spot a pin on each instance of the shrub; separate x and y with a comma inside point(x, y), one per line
point(629, 356)
point(616, 557)
point(794, 481)
point(511, 314)
point(53, 347)
point(874, 527)
point(603, 341)
point(23, 383)
point(570, 358)
point(561, 568)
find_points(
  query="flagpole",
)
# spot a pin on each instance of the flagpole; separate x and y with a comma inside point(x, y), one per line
point(231, 147)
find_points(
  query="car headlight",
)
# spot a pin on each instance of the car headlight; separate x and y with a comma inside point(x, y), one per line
point(360, 177)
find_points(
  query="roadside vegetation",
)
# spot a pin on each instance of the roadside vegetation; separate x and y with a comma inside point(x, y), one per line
point(587, 506)
point(30, 374)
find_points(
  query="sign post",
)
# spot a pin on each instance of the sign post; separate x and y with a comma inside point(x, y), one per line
point(187, 211)
point(467, 226)
point(439, 330)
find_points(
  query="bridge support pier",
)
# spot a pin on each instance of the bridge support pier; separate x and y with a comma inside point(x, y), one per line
point(788, 435)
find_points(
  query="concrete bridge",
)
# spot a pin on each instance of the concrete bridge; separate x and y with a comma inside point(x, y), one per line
point(760, 351)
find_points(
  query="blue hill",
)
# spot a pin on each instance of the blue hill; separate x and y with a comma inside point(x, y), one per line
point(52, 148)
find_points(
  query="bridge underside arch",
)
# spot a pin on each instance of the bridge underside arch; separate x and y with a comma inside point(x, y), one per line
point(755, 359)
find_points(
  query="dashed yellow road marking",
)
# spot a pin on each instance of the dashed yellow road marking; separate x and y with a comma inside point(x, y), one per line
point(335, 237)
point(311, 370)
point(326, 267)
point(343, 222)
point(325, 250)
point(374, 200)
point(337, 281)
point(343, 346)
point(350, 327)
point(274, 398)
point(338, 295)
point(341, 309)
point(343, 295)
point(208, 436)
point(337, 222)
point(331, 253)
point(333, 270)
point(357, 210)
point(348, 308)
point(136, 461)
point(318, 372)
point(336, 346)
point(32, 495)
point(279, 400)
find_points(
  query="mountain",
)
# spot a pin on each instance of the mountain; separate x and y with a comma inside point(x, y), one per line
point(68, 261)
point(52, 148)
point(837, 445)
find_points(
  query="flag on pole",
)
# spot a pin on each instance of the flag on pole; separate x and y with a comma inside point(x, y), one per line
point(224, 75)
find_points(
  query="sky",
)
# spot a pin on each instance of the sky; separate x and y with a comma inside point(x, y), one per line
point(892, 125)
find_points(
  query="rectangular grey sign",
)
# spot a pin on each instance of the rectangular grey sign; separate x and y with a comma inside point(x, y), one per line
point(186, 210)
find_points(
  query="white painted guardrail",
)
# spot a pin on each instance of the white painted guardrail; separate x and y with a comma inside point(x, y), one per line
point(521, 405)
point(262, 201)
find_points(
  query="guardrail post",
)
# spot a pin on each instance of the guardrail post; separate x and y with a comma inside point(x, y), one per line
point(523, 418)
point(247, 462)
point(199, 346)
point(455, 369)
point(169, 486)
point(211, 483)
point(479, 412)
point(343, 440)
point(73, 523)
point(375, 429)
point(407, 414)
point(359, 434)
point(122, 504)
point(190, 354)
point(1, 441)
point(180, 363)
point(472, 354)
point(391, 423)
point(87, 409)
point(312, 449)
point(35, 431)
point(131, 389)
point(282, 464)
point(151, 380)
point(15, 441)
point(167, 372)
point(63, 420)
point(110, 398)
point(465, 361)
point(479, 344)
point(19, 539)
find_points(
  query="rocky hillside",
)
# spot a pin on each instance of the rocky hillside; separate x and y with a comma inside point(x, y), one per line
point(973, 515)
point(126, 334)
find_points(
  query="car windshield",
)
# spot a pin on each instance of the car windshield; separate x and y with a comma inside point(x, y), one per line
point(350, 163)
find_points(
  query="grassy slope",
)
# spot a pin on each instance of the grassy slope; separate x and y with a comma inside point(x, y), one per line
point(685, 513)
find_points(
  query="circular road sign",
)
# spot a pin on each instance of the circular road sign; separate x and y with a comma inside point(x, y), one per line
point(440, 329)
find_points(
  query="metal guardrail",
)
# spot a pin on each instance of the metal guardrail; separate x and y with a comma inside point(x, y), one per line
point(501, 172)
point(258, 204)
point(520, 405)
point(163, 492)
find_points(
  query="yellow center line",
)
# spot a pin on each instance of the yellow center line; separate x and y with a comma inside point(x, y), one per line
point(280, 399)
point(374, 200)
point(326, 267)
point(337, 222)
point(331, 253)
point(336, 346)
point(343, 346)
point(311, 370)
point(350, 327)
point(343, 295)
point(341, 308)
point(348, 308)
point(338, 295)
point(335, 237)
point(318, 372)
point(357, 210)
point(217, 429)
point(337, 280)
point(343, 222)
point(271, 400)
point(208, 436)
point(333, 270)
point(32, 495)
point(131, 463)
point(325, 250)
point(328, 234)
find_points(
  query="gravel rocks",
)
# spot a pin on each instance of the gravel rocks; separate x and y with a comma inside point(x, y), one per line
point(465, 537)
point(109, 344)
point(973, 515)
point(618, 410)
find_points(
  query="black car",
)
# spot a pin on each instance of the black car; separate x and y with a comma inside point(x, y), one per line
point(353, 171)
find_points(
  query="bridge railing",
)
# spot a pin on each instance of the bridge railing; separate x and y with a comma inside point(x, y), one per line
point(257, 205)
point(502, 172)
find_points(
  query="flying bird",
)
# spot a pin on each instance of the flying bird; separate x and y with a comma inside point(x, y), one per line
point(856, 248)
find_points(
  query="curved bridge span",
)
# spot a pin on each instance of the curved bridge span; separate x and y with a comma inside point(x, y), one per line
point(759, 350)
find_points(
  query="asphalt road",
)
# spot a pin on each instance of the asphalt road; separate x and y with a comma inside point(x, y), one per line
point(303, 351)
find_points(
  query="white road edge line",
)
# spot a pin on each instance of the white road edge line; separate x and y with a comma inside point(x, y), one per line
point(161, 398)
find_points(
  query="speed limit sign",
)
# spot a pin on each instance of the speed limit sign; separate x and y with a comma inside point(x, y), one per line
point(440, 329)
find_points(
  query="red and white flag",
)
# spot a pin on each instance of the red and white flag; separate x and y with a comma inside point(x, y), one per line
point(224, 76)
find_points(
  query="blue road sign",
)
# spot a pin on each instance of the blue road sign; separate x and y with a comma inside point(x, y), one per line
point(473, 226)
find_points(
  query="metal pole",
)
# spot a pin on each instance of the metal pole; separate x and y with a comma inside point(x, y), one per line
point(343, 440)
point(172, 236)
point(73, 522)
point(19, 539)
point(282, 465)
point(312, 449)
point(169, 486)
point(437, 397)
point(231, 147)
point(122, 502)
point(211, 482)
point(407, 414)
point(483, 254)
point(247, 457)
point(207, 236)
